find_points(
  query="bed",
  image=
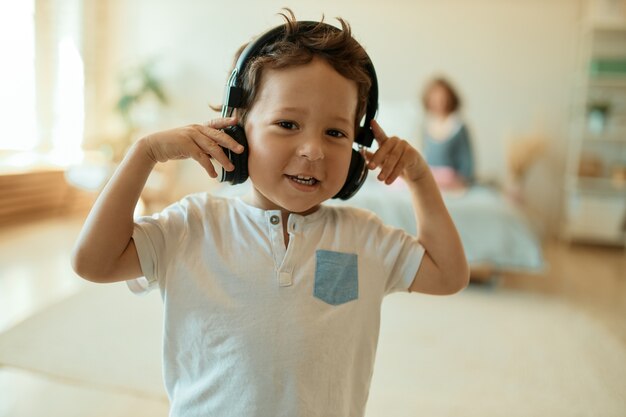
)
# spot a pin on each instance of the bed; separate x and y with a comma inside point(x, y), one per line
point(495, 234)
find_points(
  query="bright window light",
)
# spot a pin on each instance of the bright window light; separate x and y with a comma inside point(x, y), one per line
point(17, 76)
point(63, 108)
point(69, 102)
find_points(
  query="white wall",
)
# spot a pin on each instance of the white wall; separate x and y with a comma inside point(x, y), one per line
point(513, 60)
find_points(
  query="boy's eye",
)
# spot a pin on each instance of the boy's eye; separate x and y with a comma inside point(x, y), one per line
point(286, 124)
point(335, 133)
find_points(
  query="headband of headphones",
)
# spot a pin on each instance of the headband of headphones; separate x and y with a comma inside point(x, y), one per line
point(233, 97)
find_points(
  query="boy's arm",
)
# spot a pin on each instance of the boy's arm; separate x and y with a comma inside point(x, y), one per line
point(444, 268)
point(105, 250)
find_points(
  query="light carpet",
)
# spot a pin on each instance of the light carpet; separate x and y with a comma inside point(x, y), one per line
point(103, 336)
point(484, 352)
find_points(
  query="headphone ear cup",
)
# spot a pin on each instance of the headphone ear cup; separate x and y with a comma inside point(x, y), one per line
point(365, 136)
point(357, 173)
point(239, 160)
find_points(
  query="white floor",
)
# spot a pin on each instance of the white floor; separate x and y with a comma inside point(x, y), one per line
point(34, 267)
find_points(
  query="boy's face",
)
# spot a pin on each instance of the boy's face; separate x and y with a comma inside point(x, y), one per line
point(300, 132)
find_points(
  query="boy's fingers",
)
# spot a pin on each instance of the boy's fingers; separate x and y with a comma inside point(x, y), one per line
point(394, 174)
point(391, 161)
point(381, 155)
point(222, 138)
point(204, 160)
point(221, 122)
point(377, 158)
point(379, 133)
point(213, 149)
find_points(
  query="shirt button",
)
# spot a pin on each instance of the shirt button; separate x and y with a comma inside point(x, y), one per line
point(274, 220)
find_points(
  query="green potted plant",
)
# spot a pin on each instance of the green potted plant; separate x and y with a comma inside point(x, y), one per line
point(137, 85)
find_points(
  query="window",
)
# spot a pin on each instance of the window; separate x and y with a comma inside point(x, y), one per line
point(17, 77)
point(42, 99)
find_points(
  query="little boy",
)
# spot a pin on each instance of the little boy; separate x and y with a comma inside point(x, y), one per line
point(272, 301)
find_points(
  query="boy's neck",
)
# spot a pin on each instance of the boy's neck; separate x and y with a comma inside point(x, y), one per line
point(253, 200)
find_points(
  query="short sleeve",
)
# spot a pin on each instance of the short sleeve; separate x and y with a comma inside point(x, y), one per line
point(400, 254)
point(147, 260)
point(157, 238)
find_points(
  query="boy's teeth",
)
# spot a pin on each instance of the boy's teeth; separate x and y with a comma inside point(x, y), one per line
point(303, 180)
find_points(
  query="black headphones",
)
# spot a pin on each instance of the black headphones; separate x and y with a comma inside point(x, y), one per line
point(357, 173)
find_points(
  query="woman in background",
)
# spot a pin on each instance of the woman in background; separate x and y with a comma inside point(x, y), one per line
point(446, 139)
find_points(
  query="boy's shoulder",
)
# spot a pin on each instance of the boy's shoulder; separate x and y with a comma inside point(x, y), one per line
point(204, 198)
point(348, 210)
point(345, 213)
point(198, 205)
point(196, 199)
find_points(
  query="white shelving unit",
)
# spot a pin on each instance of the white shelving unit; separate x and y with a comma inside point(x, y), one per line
point(595, 189)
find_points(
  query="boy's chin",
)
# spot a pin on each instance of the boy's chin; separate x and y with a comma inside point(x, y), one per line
point(291, 204)
point(306, 205)
point(301, 207)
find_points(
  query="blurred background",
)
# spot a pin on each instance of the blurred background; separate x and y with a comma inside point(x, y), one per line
point(543, 84)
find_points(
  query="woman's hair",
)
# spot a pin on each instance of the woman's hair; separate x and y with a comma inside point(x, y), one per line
point(299, 47)
point(454, 103)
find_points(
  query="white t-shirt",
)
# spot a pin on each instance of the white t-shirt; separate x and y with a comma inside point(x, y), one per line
point(255, 329)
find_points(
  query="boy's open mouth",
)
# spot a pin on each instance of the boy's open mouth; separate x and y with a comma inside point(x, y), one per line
point(302, 179)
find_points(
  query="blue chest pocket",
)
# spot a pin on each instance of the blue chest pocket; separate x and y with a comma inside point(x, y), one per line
point(336, 277)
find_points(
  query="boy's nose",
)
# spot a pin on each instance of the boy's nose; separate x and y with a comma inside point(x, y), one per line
point(311, 148)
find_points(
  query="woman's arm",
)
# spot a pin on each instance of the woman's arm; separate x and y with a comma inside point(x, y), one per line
point(464, 157)
point(105, 251)
point(444, 269)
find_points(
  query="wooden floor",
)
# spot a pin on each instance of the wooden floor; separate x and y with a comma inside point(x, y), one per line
point(35, 272)
point(590, 277)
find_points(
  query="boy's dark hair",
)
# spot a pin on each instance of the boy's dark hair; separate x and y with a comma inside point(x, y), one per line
point(299, 47)
point(455, 101)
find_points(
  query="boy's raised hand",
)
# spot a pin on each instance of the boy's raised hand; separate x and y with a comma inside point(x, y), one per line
point(395, 157)
point(198, 141)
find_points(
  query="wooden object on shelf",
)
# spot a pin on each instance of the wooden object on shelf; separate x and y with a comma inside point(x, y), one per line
point(590, 166)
